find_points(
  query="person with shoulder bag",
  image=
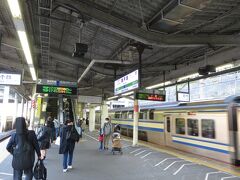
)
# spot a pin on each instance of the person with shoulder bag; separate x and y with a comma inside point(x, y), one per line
point(68, 137)
point(22, 145)
point(44, 138)
point(107, 131)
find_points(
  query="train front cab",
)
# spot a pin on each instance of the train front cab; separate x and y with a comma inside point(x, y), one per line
point(234, 126)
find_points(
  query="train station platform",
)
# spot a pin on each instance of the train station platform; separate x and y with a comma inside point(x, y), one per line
point(143, 162)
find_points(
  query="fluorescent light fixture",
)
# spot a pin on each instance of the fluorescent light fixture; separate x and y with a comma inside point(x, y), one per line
point(24, 42)
point(158, 85)
point(128, 93)
point(190, 76)
point(15, 8)
point(224, 67)
point(113, 97)
point(18, 22)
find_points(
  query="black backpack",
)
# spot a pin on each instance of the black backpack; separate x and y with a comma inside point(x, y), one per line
point(72, 134)
point(22, 153)
point(40, 172)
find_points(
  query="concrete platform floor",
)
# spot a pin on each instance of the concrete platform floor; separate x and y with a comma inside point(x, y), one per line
point(140, 163)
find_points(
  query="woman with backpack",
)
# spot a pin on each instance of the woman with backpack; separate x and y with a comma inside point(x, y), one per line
point(22, 145)
point(44, 138)
point(68, 137)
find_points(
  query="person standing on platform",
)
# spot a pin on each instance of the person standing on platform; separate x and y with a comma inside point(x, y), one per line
point(56, 126)
point(68, 137)
point(107, 131)
point(23, 145)
point(44, 138)
point(51, 125)
point(100, 139)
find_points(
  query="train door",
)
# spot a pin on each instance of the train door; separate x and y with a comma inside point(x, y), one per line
point(168, 130)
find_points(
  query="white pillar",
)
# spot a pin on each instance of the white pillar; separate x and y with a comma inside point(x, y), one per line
point(34, 99)
point(16, 108)
point(92, 119)
point(135, 123)
point(60, 109)
point(4, 110)
point(104, 113)
point(84, 113)
point(22, 107)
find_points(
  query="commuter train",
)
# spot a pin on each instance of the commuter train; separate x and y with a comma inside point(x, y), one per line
point(207, 128)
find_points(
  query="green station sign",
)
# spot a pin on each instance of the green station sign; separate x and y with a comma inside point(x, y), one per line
point(48, 89)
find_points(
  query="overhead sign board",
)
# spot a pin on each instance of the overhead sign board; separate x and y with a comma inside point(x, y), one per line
point(183, 97)
point(90, 99)
point(48, 89)
point(57, 83)
point(150, 95)
point(10, 79)
point(126, 83)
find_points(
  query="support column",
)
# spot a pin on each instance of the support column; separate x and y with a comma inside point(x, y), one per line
point(22, 107)
point(104, 113)
point(3, 111)
point(92, 119)
point(38, 109)
point(84, 112)
point(60, 109)
point(16, 107)
point(33, 104)
point(135, 122)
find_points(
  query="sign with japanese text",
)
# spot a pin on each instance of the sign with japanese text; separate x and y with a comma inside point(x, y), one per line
point(183, 97)
point(150, 97)
point(56, 83)
point(46, 89)
point(150, 94)
point(126, 83)
point(10, 79)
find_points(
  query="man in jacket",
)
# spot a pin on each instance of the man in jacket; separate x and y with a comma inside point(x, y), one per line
point(22, 145)
point(44, 138)
point(67, 143)
point(107, 131)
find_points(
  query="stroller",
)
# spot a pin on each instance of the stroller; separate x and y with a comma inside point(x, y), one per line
point(116, 141)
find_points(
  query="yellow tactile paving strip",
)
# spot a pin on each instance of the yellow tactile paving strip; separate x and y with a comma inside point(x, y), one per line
point(192, 158)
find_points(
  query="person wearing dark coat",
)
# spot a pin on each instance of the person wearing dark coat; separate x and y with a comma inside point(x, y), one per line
point(20, 138)
point(67, 145)
point(44, 138)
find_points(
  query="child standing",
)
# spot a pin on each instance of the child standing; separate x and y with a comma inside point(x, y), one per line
point(100, 139)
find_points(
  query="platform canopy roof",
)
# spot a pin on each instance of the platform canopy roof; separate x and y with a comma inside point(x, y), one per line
point(183, 35)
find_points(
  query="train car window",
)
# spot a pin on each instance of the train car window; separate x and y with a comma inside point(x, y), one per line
point(151, 114)
point(140, 115)
point(208, 128)
point(124, 115)
point(192, 125)
point(117, 115)
point(168, 125)
point(180, 126)
point(130, 115)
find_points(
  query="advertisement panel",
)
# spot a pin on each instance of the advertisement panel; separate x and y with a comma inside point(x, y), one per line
point(126, 83)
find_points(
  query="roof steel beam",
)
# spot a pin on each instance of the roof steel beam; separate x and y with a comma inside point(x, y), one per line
point(132, 31)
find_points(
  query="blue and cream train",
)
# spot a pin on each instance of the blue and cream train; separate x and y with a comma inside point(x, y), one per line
point(207, 128)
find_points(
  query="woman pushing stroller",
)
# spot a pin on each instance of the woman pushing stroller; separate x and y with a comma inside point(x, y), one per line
point(116, 140)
